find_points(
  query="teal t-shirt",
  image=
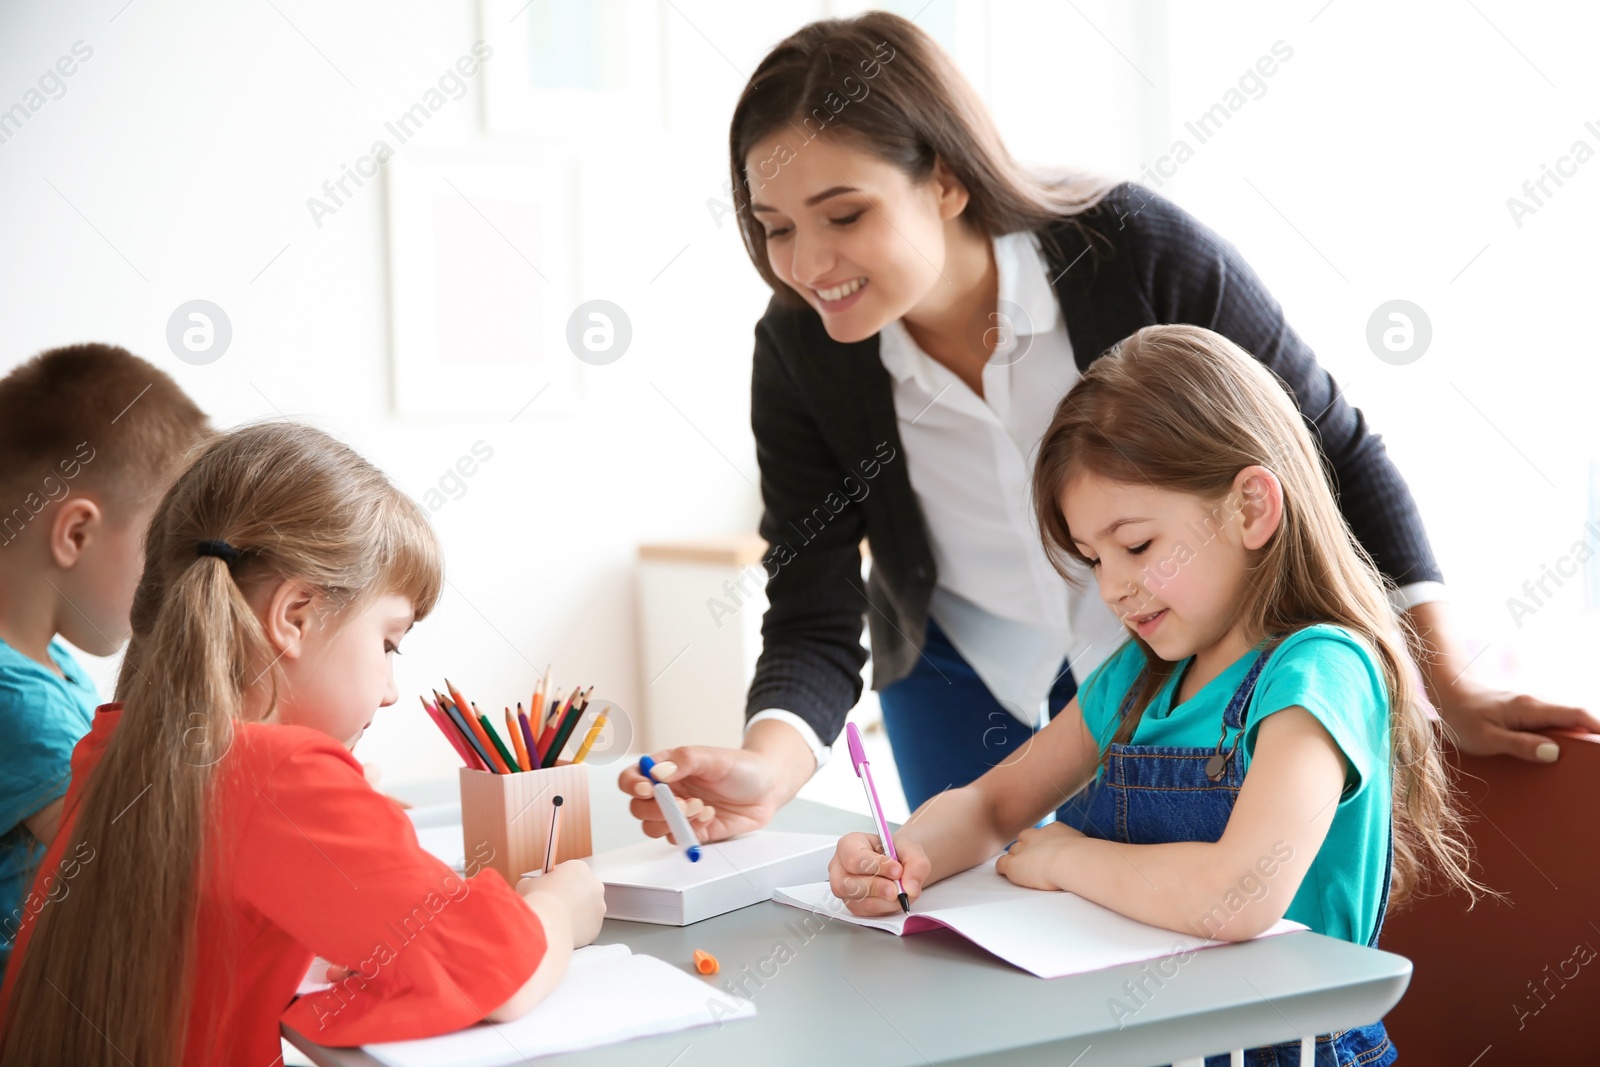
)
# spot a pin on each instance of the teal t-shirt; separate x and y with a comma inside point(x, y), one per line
point(42, 718)
point(1337, 678)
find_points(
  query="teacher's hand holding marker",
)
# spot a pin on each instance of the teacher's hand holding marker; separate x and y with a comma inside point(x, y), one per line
point(723, 792)
point(682, 834)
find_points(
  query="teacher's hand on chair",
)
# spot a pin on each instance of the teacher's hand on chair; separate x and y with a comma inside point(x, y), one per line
point(1491, 722)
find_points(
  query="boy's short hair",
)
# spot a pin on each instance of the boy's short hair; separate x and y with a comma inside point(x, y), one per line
point(94, 417)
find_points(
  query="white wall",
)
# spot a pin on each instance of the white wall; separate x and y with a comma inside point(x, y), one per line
point(178, 162)
point(190, 141)
point(1377, 166)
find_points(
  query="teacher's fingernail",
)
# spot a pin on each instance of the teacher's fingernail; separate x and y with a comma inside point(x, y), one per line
point(1548, 752)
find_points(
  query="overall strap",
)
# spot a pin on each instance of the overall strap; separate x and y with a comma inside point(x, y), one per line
point(1233, 718)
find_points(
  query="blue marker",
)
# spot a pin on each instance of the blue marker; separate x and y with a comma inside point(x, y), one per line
point(677, 821)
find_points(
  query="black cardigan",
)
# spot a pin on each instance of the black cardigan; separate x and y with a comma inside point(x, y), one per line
point(833, 469)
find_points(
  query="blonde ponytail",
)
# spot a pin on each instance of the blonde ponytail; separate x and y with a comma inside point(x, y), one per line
point(107, 976)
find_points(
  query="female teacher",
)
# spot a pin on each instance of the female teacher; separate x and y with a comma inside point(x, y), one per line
point(932, 304)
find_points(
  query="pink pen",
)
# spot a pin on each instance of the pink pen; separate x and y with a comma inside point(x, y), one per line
point(858, 757)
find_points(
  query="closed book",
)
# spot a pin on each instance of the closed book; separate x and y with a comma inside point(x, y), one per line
point(655, 882)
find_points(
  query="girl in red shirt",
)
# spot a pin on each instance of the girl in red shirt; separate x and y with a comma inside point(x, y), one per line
point(217, 831)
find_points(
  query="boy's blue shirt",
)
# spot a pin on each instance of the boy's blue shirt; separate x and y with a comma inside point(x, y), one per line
point(42, 718)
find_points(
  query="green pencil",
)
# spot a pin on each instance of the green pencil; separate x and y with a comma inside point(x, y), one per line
point(570, 723)
point(500, 746)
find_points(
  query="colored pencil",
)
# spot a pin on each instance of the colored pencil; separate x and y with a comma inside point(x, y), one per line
point(569, 722)
point(536, 707)
point(516, 741)
point(455, 695)
point(534, 739)
point(547, 690)
point(449, 731)
point(543, 746)
point(500, 748)
point(488, 746)
point(551, 725)
point(484, 763)
point(532, 746)
point(470, 714)
point(589, 738)
point(433, 713)
point(566, 705)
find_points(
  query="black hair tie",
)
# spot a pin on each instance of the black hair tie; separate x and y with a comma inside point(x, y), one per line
point(220, 549)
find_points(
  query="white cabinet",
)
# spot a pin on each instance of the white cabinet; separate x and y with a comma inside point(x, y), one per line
point(700, 608)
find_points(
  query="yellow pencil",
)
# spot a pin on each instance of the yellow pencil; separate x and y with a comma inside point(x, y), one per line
point(589, 738)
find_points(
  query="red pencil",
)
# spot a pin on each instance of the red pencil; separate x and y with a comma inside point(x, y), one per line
point(554, 723)
point(451, 734)
point(449, 712)
point(469, 715)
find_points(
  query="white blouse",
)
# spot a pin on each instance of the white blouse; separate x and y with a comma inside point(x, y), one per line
point(970, 458)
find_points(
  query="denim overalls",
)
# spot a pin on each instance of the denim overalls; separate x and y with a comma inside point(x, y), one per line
point(1153, 794)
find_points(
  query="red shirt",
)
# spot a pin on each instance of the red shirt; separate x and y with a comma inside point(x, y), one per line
point(310, 860)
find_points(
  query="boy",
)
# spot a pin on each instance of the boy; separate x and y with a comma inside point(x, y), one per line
point(91, 436)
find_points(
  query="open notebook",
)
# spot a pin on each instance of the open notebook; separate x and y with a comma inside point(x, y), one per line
point(1047, 934)
point(608, 995)
point(654, 882)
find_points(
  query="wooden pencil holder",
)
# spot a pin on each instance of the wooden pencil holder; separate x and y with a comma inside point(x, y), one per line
point(505, 818)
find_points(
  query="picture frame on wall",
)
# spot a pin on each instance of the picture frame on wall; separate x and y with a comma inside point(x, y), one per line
point(483, 268)
point(572, 66)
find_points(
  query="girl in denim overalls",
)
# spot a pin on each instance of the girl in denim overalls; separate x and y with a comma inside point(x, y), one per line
point(1255, 751)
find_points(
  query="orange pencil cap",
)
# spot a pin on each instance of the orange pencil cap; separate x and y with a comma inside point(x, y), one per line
point(705, 962)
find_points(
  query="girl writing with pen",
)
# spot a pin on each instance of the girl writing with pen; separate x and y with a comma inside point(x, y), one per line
point(232, 834)
point(1261, 714)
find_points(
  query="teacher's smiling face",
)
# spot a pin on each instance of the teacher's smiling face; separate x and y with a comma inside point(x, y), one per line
point(853, 235)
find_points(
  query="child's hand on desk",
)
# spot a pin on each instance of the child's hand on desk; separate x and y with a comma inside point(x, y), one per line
point(863, 877)
point(1034, 859)
point(584, 896)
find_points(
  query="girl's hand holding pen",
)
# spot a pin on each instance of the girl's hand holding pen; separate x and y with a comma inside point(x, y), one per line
point(864, 878)
point(1034, 859)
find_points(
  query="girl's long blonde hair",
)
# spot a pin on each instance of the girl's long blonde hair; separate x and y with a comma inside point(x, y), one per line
point(107, 977)
point(1185, 409)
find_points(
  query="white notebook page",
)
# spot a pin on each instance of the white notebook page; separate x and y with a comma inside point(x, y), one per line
point(608, 995)
point(1044, 933)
